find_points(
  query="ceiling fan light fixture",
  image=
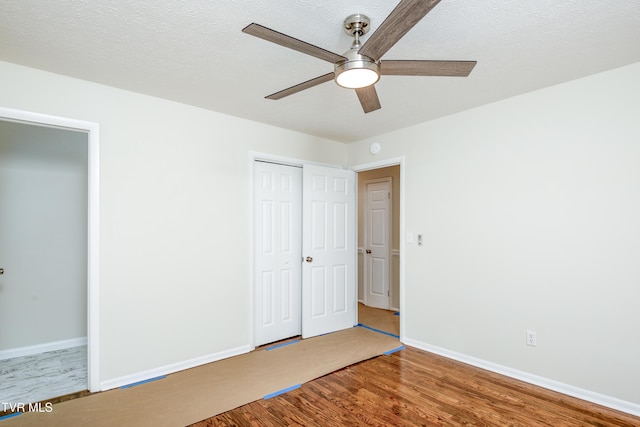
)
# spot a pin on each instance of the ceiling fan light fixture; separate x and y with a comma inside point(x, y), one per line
point(356, 74)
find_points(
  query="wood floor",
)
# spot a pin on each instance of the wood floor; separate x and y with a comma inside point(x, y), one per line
point(384, 320)
point(415, 388)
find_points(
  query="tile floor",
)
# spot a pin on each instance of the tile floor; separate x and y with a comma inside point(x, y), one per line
point(43, 376)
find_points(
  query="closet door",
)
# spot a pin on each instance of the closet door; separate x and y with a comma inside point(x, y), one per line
point(278, 251)
point(329, 249)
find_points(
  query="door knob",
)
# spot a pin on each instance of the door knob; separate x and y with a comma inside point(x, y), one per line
point(1, 271)
point(309, 259)
point(368, 251)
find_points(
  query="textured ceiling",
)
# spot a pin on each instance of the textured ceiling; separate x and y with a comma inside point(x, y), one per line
point(193, 51)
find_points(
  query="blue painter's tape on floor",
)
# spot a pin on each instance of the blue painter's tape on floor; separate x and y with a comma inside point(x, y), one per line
point(279, 392)
point(386, 353)
point(144, 381)
point(378, 330)
point(6, 417)
point(273, 347)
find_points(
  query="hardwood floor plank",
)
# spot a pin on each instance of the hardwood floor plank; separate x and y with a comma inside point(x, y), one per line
point(415, 388)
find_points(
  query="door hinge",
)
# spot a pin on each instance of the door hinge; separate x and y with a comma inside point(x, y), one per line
point(389, 195)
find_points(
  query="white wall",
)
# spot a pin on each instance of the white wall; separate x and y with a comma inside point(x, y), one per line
point(175, 216)
point(530, 210)
point(43, 229)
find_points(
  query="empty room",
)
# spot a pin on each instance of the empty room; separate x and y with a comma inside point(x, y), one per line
point(430, 210)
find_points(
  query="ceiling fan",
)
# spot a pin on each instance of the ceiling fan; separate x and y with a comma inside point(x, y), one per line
point(360, 67)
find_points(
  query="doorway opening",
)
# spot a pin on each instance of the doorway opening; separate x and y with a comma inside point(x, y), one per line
point(43, 199)
point(380, 220)
point(51, 165)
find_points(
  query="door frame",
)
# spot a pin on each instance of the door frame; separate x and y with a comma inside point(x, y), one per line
point(366, 236)
point(283, 160)
point(93, 229)
point(394, 161)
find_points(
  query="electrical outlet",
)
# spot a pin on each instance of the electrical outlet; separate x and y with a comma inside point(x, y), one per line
point(531, 338)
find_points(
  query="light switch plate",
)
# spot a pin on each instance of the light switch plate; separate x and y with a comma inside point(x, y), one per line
point(409, 237)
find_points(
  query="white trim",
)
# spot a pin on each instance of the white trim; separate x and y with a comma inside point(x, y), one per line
point(288, 161)
point(395, 161)
point(174, 367)
point(42, 348)
point(93, 256)
point(590, 396)
point(93, 217)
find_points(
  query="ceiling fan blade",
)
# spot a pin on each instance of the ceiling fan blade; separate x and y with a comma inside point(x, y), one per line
point(406, 14)
point(292, 43)
point(368, 98)
point(427, 68)
point(302, 86)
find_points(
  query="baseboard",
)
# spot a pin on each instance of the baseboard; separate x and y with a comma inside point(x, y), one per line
point(589, 396)
point(42, 348)
point(170, 369)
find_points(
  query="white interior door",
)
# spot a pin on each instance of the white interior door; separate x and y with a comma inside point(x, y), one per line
point(278, 251)
point(328, 240)
point(377, 274)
